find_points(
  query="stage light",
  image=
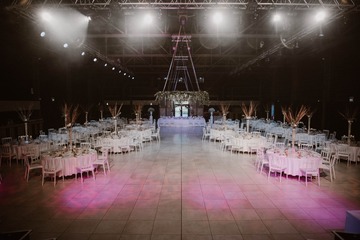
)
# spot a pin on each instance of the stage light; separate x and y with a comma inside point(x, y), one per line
point(148, 19)
point(277, 18)
point(217, 18)
point(66, 45)
point(133, 78)
point(46, 16)
point(95, 59)
point(113, 68)
point(82, 53)
point(42, 34)
point(119, 71)
point(320, 16)
point(105, 65)
point(124, 74)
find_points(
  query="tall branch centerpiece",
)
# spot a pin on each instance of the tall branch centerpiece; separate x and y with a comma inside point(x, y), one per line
point(349, 115)
point(70, 114)
point(248, 112)
point(309, 116)
point(115, 112)
point(137, 111)
point(224, 108)
point(25, 114)
point(293, 117)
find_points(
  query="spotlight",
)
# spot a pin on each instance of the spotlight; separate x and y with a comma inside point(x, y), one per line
point(42, 34)
point(128, 76)
point(148, 19)
point(45, 16)
point(217, 18)
point(66, 45)
point(82, 53)
point(95, 59)
point(105, 65)
point(277, 18)
point(124, 74)
point(320, 16)
point(119, 71)
point(133, 78)
point(113, 68)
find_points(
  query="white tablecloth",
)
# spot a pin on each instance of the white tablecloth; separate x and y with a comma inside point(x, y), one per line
point(70, 162)
point(295, 160)
point(181, 122)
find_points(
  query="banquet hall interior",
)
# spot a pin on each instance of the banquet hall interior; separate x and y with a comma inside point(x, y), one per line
point(183, 120)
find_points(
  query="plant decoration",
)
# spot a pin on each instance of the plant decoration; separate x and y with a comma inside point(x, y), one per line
point(294, 117)
point(249, 110)
point(349, 115)
point(115, 112)
point(70, 113)
point(201, 97)
point(25, 114)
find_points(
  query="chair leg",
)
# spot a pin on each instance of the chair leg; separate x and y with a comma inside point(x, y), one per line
point(27, 175)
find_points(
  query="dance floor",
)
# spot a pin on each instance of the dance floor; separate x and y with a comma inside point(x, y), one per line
point(180, 188)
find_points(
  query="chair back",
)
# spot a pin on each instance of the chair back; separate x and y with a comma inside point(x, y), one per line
point(5, 150)
point(6, 140)
point(51, 164)
point(276, 162)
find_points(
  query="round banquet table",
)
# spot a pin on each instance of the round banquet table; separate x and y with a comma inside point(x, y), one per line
point(70, 162)
point(295, 160)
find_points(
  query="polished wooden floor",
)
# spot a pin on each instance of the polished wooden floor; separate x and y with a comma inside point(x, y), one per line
point(180, 188)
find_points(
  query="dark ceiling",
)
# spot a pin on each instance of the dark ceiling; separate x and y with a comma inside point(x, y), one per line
point(246, 59)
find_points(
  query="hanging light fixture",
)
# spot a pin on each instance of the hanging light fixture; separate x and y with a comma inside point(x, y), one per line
point(181, 81)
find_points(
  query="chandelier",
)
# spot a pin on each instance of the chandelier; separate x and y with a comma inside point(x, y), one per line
point(181, 82)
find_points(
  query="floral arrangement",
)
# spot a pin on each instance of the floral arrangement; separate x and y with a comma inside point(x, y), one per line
point(249, 110)
point(201, 97)
point(294, 117)
point(115, 110)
